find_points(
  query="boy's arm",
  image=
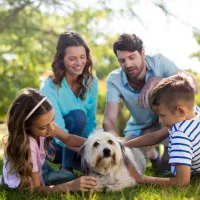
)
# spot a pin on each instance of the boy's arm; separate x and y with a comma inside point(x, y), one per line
point(181, 179)
point(68, 139)
point(148, 139)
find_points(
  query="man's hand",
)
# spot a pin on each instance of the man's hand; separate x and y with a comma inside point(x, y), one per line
point(144, 94)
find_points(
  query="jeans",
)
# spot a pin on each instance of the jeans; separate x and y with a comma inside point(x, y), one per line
point(75, 122)
point(55, 177)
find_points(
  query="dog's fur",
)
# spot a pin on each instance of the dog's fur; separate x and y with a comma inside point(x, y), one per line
point(103, 156)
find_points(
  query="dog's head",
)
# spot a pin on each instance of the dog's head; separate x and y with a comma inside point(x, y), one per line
point(102, 152)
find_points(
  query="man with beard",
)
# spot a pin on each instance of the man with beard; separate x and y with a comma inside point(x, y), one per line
point(132, 82)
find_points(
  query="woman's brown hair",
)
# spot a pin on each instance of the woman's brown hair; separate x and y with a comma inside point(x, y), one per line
point(69, 39)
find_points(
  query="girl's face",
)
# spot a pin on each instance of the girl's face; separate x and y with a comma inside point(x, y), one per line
point(75, 60)
point(43, 125)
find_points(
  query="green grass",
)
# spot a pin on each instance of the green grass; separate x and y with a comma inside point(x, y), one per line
point(138, 192)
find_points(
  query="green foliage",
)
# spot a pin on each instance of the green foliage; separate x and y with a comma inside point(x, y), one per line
point(29, 37)
point(197, 54)
point(197, 77)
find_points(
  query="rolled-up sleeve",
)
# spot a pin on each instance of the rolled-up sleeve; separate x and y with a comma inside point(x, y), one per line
point(181, 149)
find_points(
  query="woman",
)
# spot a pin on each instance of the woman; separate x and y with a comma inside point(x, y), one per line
point(73, 92)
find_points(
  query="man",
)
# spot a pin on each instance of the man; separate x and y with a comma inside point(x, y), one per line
point(133, 81)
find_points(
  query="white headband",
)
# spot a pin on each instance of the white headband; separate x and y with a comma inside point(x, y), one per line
point(35, 108)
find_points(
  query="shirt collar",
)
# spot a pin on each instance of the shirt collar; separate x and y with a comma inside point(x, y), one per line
point(125, 79)
point(177, 125)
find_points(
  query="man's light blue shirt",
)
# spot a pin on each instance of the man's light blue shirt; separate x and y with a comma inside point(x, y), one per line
point(63, 101)
point(118, 88)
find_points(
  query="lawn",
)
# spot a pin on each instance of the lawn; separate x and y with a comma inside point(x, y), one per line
point(138, 192)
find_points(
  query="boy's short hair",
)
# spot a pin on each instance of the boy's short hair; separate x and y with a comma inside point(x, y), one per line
point(172, 91)
point(128, 42)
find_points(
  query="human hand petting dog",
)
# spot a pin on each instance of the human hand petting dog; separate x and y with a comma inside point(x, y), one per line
point(84, 183)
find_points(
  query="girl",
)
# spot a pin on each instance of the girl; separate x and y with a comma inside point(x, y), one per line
point(73, 92)
point(30, 120)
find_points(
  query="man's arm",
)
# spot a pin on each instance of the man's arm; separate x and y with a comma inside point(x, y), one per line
point(110, 117)
point(148, 139)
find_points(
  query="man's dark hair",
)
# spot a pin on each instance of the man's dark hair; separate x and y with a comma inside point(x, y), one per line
point(128, 42)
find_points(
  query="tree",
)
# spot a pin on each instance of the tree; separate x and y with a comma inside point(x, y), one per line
point(29, 36)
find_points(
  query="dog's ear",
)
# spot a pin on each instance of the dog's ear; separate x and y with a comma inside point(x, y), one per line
point(85, 167)
point(124, 155)
point(84, 164)
point(82, 151)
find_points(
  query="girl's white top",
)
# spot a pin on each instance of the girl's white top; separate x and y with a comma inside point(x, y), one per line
point(38, 157)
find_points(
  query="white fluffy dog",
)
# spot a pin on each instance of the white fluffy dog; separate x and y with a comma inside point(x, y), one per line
point(103, 156)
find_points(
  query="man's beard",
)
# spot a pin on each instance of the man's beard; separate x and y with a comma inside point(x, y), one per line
point(138, 75)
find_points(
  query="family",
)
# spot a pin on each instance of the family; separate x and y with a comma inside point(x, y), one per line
point(52, 124)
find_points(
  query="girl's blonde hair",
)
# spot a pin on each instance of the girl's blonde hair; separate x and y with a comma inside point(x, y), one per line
point(17, 149)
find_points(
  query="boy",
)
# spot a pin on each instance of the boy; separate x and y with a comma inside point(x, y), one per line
point(173, 100)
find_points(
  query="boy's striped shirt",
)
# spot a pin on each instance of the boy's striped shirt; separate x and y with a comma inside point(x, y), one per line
point(184, 144)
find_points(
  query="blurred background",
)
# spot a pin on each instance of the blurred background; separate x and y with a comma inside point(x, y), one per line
point(29, 30)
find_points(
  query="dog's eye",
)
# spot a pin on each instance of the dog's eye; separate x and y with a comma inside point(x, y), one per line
point(96, 144)
point(110, 142)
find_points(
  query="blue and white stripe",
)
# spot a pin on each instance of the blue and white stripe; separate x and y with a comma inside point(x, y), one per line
point(184, 144)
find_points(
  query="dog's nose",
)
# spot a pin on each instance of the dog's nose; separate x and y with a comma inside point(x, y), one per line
point(106, 152)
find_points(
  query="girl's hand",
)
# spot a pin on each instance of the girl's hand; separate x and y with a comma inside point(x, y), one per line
point(84, 183)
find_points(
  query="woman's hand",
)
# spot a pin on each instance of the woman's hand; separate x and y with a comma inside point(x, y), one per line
point(84, 183)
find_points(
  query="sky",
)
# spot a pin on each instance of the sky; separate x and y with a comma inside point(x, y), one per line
point(171, 36)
